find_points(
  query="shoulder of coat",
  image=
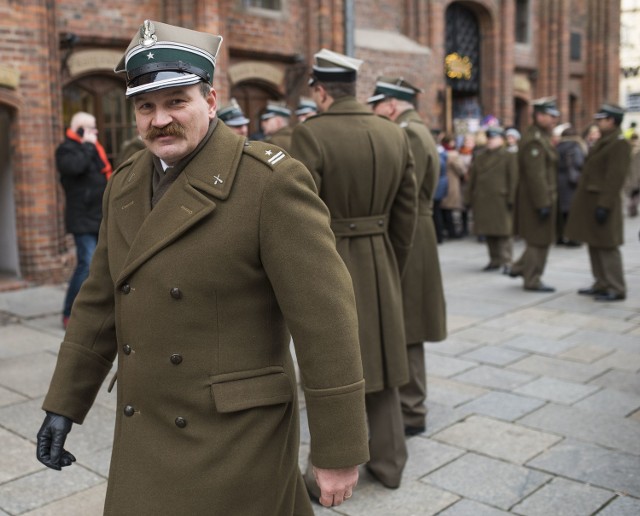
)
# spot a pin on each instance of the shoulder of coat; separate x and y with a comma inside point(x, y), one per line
point(404, 124)
point(265, 153)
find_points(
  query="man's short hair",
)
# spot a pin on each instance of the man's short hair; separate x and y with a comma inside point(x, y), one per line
point(339, 89)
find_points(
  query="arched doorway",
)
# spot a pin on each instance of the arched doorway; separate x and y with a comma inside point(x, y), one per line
point(102, 96)
point(520, 113)
point(462, 68)
point(253, 97)
point(9, 258)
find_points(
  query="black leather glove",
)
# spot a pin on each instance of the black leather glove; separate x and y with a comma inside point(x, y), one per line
point(602, 214)
point(543, 213)
point(51, 437)
point(510, 206)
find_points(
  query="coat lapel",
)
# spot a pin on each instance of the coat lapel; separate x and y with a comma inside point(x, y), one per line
point(209, 174)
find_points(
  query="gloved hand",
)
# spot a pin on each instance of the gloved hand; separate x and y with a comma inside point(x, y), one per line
point(51, 437)
point(510, 206)
point(543, 213)
point(602, 214)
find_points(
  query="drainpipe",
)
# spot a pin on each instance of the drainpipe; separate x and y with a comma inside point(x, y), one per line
point(349, 28)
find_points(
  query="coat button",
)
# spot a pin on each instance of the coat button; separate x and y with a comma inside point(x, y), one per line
point(381, 223)
point(352, 226)
point(126, 349)
point(181, 422)
point(129, 411)
point(176, 293)
point(126, 288)
point(176, 358)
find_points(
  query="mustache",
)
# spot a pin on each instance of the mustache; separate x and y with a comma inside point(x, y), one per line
point(172, 129)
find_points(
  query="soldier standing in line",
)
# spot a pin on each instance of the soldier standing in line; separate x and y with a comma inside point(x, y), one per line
point(595, 216)
point(364, 170)
point(493, 178)
point(234, 118)
point(275, 123)
point(422, 292)
point(536, 206)
point(305, 109)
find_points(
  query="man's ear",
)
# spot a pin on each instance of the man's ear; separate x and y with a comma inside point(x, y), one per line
point(212, 101)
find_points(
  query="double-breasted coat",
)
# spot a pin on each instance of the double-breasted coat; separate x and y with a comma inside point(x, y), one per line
point(493, 179)
point(422, 291)
point(196, 298)
point(537, 188)
point(364, 170)
point(603, 176)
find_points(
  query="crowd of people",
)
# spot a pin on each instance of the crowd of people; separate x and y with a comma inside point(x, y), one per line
point(215, 250)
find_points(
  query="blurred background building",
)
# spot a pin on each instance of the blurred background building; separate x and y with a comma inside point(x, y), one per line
point(630, 61)
point(472, 57)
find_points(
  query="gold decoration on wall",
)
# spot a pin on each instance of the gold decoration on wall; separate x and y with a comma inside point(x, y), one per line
point(457, 66)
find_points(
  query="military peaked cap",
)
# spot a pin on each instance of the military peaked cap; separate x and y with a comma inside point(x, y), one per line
point(306, 106)
point(546, 105)
point(232, 115)
point(275, 110)
point(331, 66)
point(396, 87)
point(494, 131)
point(610, 110)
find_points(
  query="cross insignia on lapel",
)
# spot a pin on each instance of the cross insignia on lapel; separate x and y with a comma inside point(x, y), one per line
point(217, 179)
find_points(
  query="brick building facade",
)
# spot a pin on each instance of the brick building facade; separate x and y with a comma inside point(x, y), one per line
point(58, 57)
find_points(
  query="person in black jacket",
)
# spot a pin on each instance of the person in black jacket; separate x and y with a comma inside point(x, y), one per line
point(84, 169)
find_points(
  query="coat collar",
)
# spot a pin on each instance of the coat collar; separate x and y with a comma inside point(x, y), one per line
point(208, 176)
point(347, 106)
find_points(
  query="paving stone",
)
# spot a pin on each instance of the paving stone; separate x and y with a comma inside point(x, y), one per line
point(498, 439)
point(622, 360)
point(17, 340)
point(43, 487)
point(461, 304)
point(544, 329)
point(451, 392)
point(446, 366)
point(89, 502)
point(413, 499)
point(558, 368)
point(539, 345)
point(441, 416)
point(620, 380)
point(487, 480)
point(28, 375)
point(622, 506)
point(18, 457)
point(635, 416)
point(459, 322)
point(33, 302)
point(557, 390)
point(627, 343)
point(494, 355)
point(482, 335)
point(502, 405)
point(592, 464)
point(587, 353)
point(470, 508)
point(493, 377)
point(426, 456)
point(564, 497)
point(8, 397)
point(97, 461)
point(451, 346)
point(617, 433)
point(610, 401)
point(48, 324)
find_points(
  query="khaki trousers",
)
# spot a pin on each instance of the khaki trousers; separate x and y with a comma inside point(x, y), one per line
point(414, 393)
point(606, 266)
point(531, 265)
point(387, 445)
point(500, 250)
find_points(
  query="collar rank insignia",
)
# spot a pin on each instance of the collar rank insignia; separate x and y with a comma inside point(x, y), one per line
point(148, 37)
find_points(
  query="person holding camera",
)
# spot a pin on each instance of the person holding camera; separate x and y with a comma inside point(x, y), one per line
point(84, 170)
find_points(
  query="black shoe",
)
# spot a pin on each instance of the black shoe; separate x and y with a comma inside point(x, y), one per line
point(491, 268)
point(571, 243)
point(385, 484)
point(540, 288)
point(410, 431)
point(506, 270)
point(609, 296)
point(591, 291)
point(514, 274)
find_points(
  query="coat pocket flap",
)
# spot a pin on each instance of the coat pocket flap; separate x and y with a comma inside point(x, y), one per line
point(257, 391)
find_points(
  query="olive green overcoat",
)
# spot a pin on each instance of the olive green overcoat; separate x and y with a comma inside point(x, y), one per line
point(422, 291)
point(281, 138)
point(603, 176)
point(537, 188)
point(364, 170)
point(493, 179)
point(195, 299)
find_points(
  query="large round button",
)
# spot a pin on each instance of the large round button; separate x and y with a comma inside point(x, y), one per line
point(126, 288)
point(176, 293)
point(181, 422)
point(126, 349)
point(129, 411)
point(176, 358)
point(352, 226)
point(380, 222)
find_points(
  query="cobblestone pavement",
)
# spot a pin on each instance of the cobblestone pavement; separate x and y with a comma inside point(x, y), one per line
point(534, 402)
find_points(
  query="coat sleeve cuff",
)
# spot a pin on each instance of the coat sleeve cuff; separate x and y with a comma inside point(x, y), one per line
point(338, 426)
point(76, 380)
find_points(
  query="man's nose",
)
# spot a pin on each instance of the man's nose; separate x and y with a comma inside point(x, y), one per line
point(161, 118)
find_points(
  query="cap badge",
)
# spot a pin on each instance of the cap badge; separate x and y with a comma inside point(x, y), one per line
point(147, 34)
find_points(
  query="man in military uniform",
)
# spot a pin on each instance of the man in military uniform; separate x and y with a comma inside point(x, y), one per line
point(234, 118)
point(595, 216)
point(535, 211)
point(306, 108)
point(202, 269)
point(422, 292)
point(493, 178)
point(364, 170)
point(275, 121)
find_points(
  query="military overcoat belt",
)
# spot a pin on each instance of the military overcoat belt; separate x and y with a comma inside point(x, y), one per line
point(360, 226)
